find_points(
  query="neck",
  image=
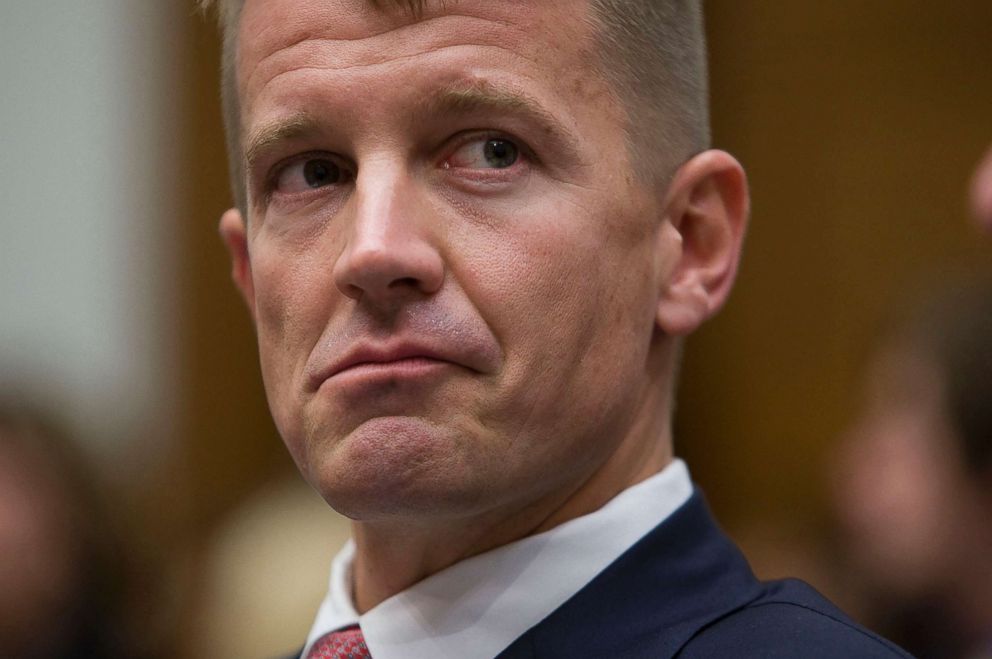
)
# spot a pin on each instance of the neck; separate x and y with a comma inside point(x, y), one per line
point(393, 555)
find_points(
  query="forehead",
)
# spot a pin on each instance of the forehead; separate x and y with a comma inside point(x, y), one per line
point(271, 25)
point(552, 38)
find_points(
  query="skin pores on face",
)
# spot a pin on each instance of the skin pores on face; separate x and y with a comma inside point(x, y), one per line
point(454, 269)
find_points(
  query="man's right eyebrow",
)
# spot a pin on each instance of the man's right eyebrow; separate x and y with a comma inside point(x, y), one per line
point(262, 139)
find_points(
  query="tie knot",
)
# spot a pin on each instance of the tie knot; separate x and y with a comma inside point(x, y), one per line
point(347, 643)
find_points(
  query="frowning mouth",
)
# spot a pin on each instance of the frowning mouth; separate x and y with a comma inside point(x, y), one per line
point(408, 368)
point(383, 363)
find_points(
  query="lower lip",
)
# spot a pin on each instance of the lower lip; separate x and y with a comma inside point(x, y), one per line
point(411, 369)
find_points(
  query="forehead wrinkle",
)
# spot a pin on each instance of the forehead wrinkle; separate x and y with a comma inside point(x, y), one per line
point(383, 61)
point(368, 49)
point(392, 60)
point(303, 69)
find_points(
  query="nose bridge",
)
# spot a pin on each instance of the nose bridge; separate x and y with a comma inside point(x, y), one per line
point(391, 248)
point(379, 196)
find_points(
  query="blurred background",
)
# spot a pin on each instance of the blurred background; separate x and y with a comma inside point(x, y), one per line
point(128, 361)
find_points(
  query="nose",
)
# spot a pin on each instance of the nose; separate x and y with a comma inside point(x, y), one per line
point(392, 251)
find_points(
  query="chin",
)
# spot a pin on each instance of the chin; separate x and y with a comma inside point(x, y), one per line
point(394, 467)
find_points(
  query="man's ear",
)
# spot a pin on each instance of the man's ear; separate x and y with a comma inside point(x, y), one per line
point(706, 211)
point(234, 234)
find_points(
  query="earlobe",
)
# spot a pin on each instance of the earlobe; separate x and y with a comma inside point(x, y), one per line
point(706, 213)
point(234, 234)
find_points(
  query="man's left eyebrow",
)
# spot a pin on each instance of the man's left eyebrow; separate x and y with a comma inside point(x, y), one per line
point(476, 97)
point(261, 139)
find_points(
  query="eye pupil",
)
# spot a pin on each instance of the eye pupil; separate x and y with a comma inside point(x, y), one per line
point(501, 153)
point(318, 173)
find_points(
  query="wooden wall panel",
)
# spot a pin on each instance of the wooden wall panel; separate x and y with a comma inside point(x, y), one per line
point(231, 445)
point(859, 124)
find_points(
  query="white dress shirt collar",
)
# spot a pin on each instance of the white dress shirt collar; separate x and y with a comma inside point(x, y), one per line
point(478, 607)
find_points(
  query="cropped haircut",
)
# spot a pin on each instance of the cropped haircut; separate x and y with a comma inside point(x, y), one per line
point(652, 52)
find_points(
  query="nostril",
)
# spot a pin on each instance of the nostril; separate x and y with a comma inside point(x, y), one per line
point(352, 291)
point(411, 282)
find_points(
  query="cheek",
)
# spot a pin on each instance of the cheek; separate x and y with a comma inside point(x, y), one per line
point(294, 289)
point(568, 298)
point(290, 312)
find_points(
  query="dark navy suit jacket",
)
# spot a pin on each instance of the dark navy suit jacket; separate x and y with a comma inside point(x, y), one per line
point(685, 590)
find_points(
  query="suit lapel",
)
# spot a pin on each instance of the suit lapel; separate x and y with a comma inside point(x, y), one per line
point(676, 580)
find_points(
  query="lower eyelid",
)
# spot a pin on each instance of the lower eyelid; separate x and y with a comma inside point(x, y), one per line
point(483, 181)
point(315, 202)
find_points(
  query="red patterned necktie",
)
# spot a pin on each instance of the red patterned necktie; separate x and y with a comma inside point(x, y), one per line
point(347, 643)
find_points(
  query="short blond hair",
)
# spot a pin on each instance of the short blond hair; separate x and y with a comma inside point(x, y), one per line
point(653, 52)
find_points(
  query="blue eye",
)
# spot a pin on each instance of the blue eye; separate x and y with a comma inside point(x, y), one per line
point(500, 153)
point(489, 153)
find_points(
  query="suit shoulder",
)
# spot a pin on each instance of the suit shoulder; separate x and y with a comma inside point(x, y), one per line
point(789, 620)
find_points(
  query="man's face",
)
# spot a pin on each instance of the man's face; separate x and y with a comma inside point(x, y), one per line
point(454, 270)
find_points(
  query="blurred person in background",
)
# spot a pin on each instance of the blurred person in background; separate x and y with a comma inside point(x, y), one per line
point(914, 478)
point(981, 193)
point(260, 568)
point(62, 574)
